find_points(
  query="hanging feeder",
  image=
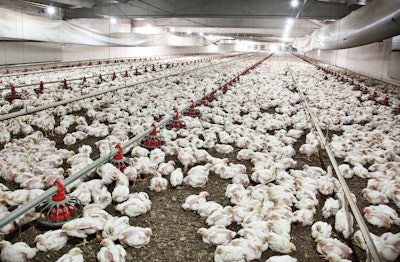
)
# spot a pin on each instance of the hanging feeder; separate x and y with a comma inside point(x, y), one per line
point(83, 80)
point(126, 73)
point(192, 111)
point(385, 101)
point(119, 161)
point(373, 96)
point(153, 68)
point(175, 122)
point(114, 76)
point(365, 91)
point(152, 141)
point(59, 209)
point(137, 72)
point(203, 101)
point(357, 87)
point(396, 111)
point(13, 95)
point(145, 69)
point(211, 97)
point(100, 79)
point(40, 89)
point(65, 85)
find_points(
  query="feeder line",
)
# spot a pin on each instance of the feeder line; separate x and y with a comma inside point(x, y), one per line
point(357, 214)
point(63, 69)
point(51, 191)
point(28, 110)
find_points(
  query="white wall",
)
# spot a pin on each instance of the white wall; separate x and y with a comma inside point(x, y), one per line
point(81, 52)
point(29, 52)
point(375, 60)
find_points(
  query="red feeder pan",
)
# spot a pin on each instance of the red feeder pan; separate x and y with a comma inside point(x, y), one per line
point(365, 91)
point(113, 76)
point(40, 89)
point(100, 79)
point(137, 72)
point(373, 96)
point(191, 111)
point(202, 102)
point(385, 101)
point(65, 85)
point(60, 209)
point(357, 87)
point(396, 111)
point(152, 140)
point(175, 122)
point(119, 161)
point(211, 97)
point(126, 73)
point(13, 95)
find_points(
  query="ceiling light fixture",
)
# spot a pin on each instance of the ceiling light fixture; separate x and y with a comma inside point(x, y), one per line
point(294, 3)
point(113, 20)
point(50, 10)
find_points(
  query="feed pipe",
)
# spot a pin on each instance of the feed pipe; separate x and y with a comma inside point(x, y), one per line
point(51, 191)
point(63, 102)
point(356, 212)
point(64, 68)
point(71, 79)
point(63, 65)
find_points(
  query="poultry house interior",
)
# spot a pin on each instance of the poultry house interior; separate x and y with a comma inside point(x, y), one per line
point(199, 131)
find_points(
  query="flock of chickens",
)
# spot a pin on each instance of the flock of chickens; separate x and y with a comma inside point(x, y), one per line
point(259, 119)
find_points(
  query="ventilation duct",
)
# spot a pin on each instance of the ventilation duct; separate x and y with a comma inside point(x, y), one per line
point(374, 22)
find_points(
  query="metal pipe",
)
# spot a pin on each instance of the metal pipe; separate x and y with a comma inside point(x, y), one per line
point(346, 190)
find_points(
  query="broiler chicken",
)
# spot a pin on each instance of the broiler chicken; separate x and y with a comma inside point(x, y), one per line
point(284, 258)
point(220, 217)
point(374, 196)
point(136, 237)
point(216, 235)
point(186, 158)
point(224, 149)
point(176, 177)
point(73, 255)
point(82, 227)
point(321, 229)
point(280, 243)
point(135, 205)
point(344, 222)
point(264, 176)
point(166, 168)
point(51, 240)
point(114, 227)
point(111, 252)
point(328, 246)
point(158, 183)
point(192, 202)
point(17, 252)
point(330, 208)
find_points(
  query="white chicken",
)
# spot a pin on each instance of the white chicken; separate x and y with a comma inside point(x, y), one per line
point(344, 222)
point(330, 208)
point(114, 227)
point(284, 258)
point(220, 217)
point(121, 190)
point(207, 208)
point(111, 252)
point(166, 168)
point(216, 235)
point(158, 183)
point(224, 149)
point(280, 243)
point(264, 176)
point(73, 255)
point(139, 151)
point(136, 237)
point(229, 253)
point(321, 229)
point(192, 202)
point(136, 205)
point(186, 158)
point(82, 227)
point(107, 172)
point(327, 246)
point(176, 177)
point(52, 240)
point(374, 196)
point(326, 184)
point(17, 252)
